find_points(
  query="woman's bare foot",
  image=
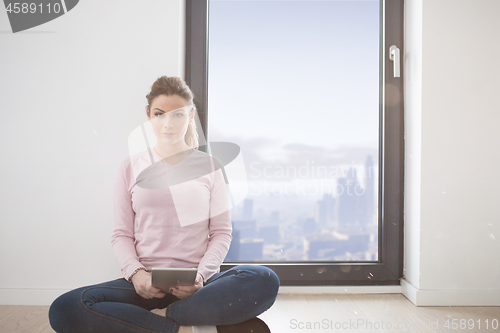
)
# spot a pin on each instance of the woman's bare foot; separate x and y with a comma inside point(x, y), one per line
point(182, 329)
point(161, 312)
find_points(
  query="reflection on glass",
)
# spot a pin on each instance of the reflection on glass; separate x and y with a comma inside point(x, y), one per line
point(295, 84)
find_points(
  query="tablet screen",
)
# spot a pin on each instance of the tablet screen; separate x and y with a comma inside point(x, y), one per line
point(166, 278)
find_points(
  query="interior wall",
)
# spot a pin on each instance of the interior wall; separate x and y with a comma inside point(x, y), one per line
point(412, 68)
point(453, 260)
point(71, 92)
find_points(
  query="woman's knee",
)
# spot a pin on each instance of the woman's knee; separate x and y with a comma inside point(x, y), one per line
point(264, 287)
point(266, 277)
point(62, 310)
point(71, 310)
point(270, 278)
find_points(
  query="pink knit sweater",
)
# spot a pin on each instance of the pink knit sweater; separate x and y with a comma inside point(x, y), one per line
point(171, 215)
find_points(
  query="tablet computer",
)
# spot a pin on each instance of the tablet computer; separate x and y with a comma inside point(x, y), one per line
point(166, 278)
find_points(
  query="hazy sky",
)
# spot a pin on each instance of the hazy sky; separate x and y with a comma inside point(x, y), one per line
point(295, 72)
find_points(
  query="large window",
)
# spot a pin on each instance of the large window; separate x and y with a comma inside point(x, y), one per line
point(302, 88)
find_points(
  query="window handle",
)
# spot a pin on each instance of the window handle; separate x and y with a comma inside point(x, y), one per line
point(394, 56)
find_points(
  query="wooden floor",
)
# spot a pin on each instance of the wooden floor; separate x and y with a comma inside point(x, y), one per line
point(321, 313)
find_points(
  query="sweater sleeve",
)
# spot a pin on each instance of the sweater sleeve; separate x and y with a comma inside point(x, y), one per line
point(122, 238)
point(219, 227)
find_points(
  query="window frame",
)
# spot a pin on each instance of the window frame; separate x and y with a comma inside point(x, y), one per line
point(388, 270)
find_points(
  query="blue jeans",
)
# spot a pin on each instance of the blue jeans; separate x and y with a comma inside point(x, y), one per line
point(228, 297)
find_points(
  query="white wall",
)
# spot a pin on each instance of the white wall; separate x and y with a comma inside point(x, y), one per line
point(71, 91)
point(452, 110)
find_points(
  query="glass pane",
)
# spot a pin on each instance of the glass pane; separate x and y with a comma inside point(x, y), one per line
point(295, 84)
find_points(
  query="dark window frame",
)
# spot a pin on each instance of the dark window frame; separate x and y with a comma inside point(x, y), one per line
point(388, 270)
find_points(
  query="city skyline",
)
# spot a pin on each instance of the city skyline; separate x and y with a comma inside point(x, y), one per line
point(332, 226)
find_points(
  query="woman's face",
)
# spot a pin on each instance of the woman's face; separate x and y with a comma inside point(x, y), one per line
point(170, 117)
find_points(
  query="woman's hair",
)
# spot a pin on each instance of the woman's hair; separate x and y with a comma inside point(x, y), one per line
point(175, 86)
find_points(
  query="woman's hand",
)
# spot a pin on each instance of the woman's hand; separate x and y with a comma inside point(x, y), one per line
point(185, 291)
point(142, 284)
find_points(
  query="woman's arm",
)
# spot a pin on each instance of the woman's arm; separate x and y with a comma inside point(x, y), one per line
point(122, 238)
point(219, 236)
point(219, 227)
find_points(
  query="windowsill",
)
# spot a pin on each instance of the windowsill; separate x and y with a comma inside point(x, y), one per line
point(317, 290)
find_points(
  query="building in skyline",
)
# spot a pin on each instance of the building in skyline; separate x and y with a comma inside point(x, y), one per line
point(251, 248)
point(247, 228)
point(248, 209)
point(325, 210)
